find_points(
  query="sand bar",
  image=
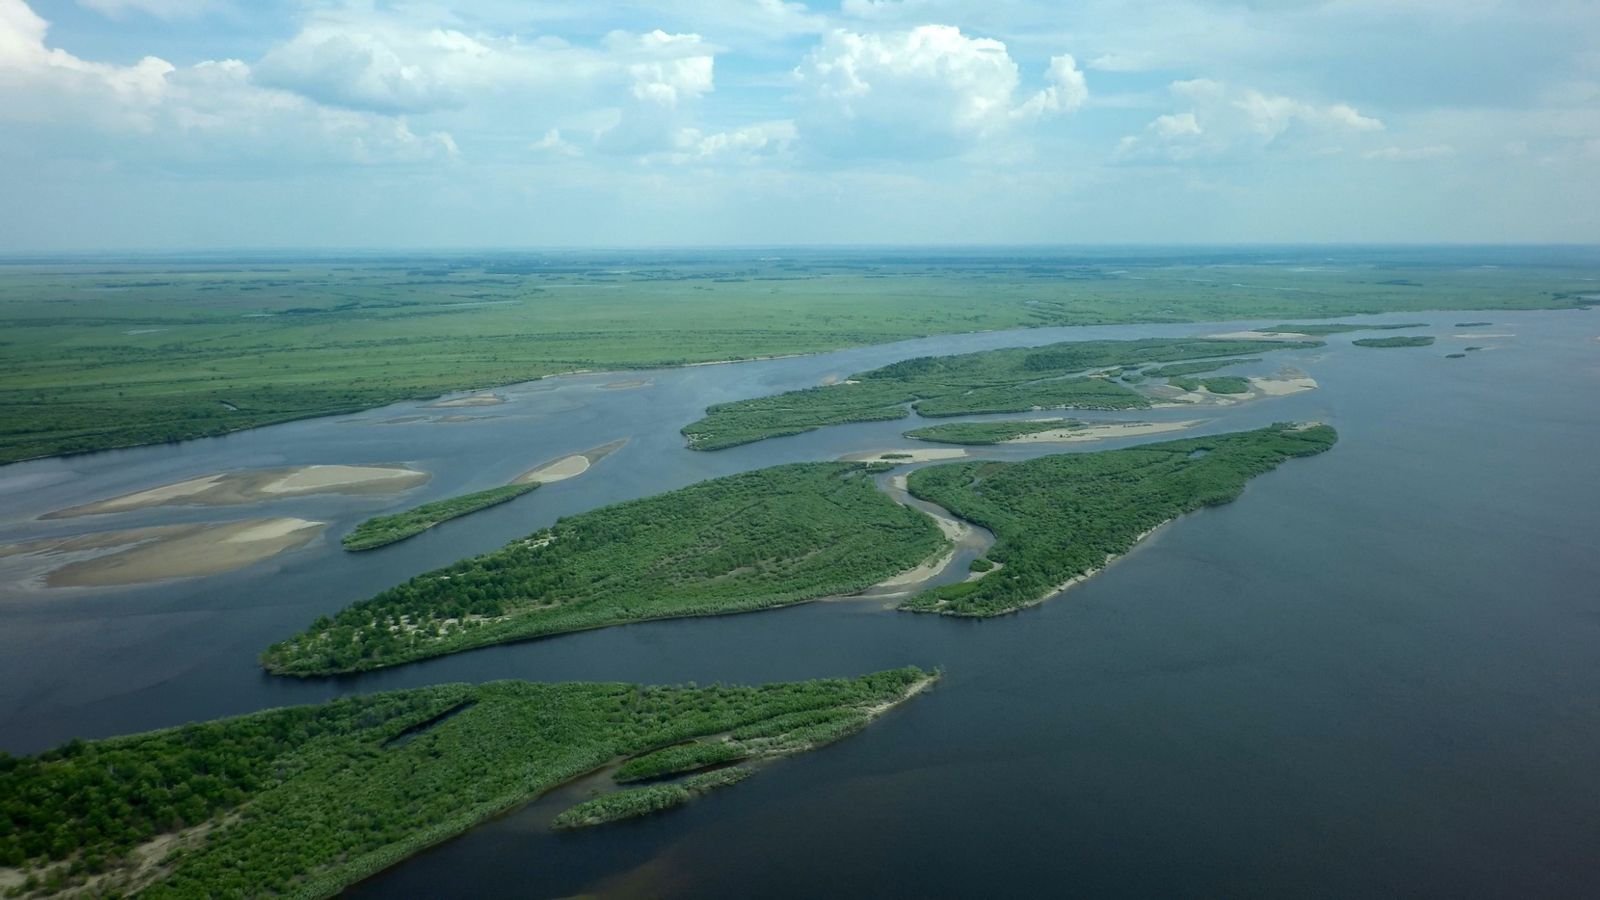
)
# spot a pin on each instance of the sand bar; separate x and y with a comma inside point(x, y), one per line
point(569, 466)
point(470, 400)
point(143, 555)
point(1101, 432)
point(1282, 387)
point(906, 456)
point(1259, 336)
point(252, 487)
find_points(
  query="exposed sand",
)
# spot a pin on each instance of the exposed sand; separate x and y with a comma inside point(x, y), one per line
point(1102, 432)
point(471, 400)
point(906, 456)
point(1259, 336)
point(630, 384)
point(569, 466)
point(251, 487)
point(142, 555)
point(1282, 387)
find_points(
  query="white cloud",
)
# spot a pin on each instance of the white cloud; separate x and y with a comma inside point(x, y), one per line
point(1222, 119)
point(672, 67)
point(746, 145)
point(930, 90)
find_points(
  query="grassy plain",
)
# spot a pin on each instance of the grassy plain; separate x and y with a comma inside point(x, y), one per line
point(989, 381)
point(751, 541)
point(1060, 518)
point(307, 800)
point(119, 352)
point(381, 531)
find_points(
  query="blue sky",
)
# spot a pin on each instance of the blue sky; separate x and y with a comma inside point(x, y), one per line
point(178, 124)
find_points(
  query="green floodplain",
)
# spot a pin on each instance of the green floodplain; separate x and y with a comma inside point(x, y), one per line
point(1009, 380)
point(381, 531)
point(1061, 518)
point(981, 433)
point(743, 542)
point(1409, 341)
point(792, 534)
point(117, 353)
point(304, 801)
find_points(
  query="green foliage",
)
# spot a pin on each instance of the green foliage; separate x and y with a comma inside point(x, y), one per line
point(1221, 384)
point(1473, 324)
point(305, 801)
point(745, 542)
point(1395, 342)
point(1455, 356)
point(979, 433)
point(381, 531)
point(680, 758)
point(990, 381)
point(643, 801)
point(1195, 368)
point(980, 565)
point(1056, 518)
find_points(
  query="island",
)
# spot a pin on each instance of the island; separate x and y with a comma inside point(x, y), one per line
point(1039, 431)
point(990, 381)
point(307, 800)
point(1409, 341)
point(1220, 384)
point(755, 540)
point(1177, 370)
point(381, 531)
point(1059, 519)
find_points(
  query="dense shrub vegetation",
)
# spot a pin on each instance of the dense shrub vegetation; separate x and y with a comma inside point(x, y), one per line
point(1177, 370)
point(303, 801)
point(978, 433)
point(990, 381)
point(380, 531)
point(1410, 341)
point(1217, 384)
point(1056, 518)
point(749, 541)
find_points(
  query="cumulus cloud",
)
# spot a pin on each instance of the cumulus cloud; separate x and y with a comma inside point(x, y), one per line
point(746, 145)
point(185, 112)
point(1223, 119)
point(930, 90)
point(671, 67)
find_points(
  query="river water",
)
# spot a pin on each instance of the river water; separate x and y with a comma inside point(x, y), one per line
point(1374, 673)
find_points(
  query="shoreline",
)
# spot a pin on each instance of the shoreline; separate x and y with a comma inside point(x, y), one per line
point(249, 487)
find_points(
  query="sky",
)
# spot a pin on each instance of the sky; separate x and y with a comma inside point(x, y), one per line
point(211, 124)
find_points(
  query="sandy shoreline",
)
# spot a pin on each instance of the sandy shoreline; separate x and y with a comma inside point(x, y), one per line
point(158, 553)
point(233, 489)
point(909, 455)
point(470, 400)
point(1259, 336)
point(1283, 387)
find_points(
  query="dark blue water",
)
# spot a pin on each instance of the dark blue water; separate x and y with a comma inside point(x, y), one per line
point(1375, 673)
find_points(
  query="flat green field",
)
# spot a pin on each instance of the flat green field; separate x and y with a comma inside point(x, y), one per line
point(118, 353)
point(1057, 518)
point(301, 802)
point(751, 541)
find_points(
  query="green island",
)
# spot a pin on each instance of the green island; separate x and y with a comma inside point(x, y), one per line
point(1410, 341)
point(119, 352)
point(744, 542)
point(643, 801)
point(1473, 324)
point(1325, 329)
point(1178, 370)
point(305, 801)
point(1455, 356)
point(980, 433)
point(381, 531)
point(1057, 519)
point(1221, 384)
point(1014, 379)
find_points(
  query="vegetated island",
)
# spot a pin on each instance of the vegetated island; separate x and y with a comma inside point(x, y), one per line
point(1028, 431)
point(1323, 329)
point(1058, 519)
point(381, 531)
point(1473, 324)
point(991, 381)
point(304, 801)
point(1220, 384)
point(1195, 368)
point(1409, 341)
point(744, 542)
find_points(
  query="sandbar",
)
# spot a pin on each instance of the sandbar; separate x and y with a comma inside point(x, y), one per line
point(906, 456)
point(1259, 336)
point(162, 552)
point(250, 487)
point(571, 466)
point(1282, 387)
point(470, 400)
point(631, 384)
point(1101, 432)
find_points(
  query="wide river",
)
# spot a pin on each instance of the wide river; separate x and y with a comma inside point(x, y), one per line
point(1378, 672)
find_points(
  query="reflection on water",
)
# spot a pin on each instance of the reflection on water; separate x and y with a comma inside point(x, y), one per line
point(1374, 673)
